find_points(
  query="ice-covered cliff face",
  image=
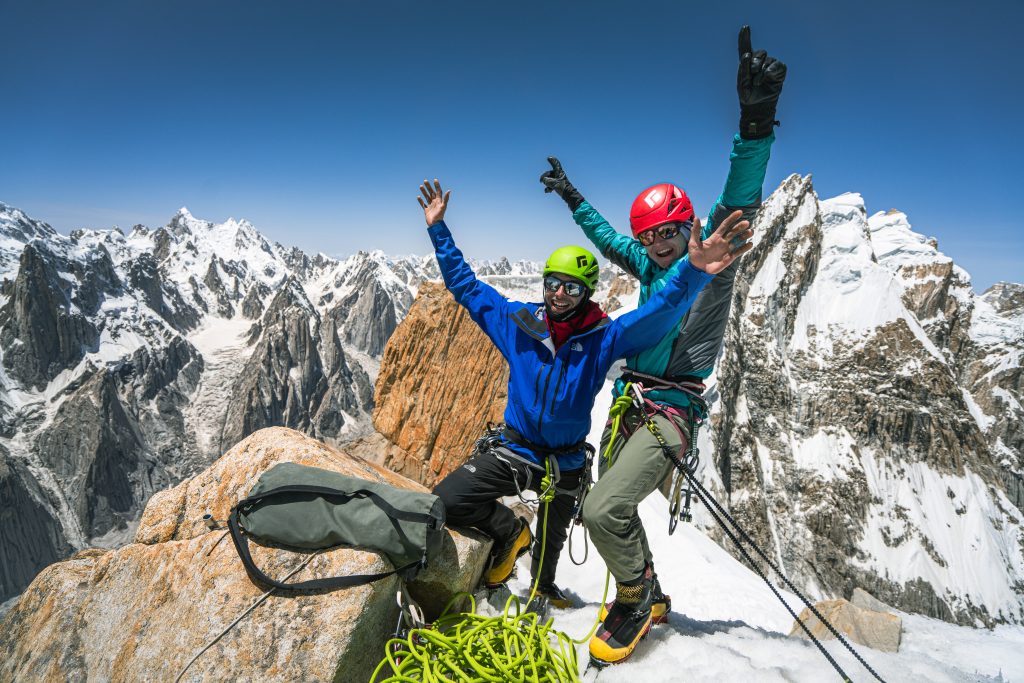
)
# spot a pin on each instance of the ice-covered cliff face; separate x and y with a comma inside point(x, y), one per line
point(867, 426)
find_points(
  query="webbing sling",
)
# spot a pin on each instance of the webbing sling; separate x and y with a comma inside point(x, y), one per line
point(241, 540)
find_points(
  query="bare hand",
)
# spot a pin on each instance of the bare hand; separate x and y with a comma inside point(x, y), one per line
point(436, 205)
point(723, 246)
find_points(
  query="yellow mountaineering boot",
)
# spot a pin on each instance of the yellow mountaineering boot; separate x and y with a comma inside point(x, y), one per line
point(504, 560)
point(661, 605)
point(628, 620)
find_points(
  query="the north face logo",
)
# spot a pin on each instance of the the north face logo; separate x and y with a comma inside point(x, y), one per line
point(576, 346)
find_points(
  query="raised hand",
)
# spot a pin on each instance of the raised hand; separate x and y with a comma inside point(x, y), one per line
point(435, 205)
point(758, 84)
point(556, 181)
point(723, 246)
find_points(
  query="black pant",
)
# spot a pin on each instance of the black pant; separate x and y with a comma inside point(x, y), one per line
point(471, 493)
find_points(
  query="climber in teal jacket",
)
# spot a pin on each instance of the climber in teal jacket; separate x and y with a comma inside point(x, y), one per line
point(670, 373)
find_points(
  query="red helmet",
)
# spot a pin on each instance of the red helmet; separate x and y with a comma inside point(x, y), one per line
point(659, 204)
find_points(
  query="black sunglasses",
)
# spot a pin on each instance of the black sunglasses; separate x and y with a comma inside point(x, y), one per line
point(572, 288)
point(666, 232)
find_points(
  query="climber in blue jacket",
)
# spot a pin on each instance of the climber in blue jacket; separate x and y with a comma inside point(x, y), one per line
point(558, 353)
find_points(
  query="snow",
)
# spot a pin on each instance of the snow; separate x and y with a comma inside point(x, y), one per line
point(852, 295)
point(973, 558)
point(825, 453)
point(897, 245)
point(222, 345)
point(984, 421)
point(771, 272)
point(988, 326)
point(727, 626)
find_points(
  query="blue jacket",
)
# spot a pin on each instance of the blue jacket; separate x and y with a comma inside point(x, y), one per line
point(551, 394)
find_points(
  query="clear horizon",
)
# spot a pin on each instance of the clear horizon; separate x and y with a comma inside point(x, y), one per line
point(316, 122)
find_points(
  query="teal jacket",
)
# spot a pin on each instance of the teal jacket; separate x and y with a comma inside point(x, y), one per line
point(691, 347)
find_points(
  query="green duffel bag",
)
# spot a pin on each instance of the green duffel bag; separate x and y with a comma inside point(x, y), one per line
point(311, 508)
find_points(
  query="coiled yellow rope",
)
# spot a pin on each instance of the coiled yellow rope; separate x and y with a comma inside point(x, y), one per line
point(470, 648)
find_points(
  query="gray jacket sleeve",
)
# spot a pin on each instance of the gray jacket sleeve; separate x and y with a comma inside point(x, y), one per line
point(702, 330)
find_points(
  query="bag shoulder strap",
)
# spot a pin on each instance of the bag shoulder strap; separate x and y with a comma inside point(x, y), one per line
point(327, 492)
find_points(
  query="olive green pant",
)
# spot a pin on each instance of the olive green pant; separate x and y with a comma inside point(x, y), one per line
point(638, 466)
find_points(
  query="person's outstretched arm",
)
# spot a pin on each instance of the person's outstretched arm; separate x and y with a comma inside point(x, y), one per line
point(485, 305)
point(643, 327)
point(623, 251)
point(759, 82)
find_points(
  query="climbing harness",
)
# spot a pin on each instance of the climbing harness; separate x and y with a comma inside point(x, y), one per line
point(680, 495)
point(686, 467)
point(680, 491)
point(492, 441)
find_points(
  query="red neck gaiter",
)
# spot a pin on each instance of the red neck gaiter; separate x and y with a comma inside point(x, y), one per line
point(590, 315)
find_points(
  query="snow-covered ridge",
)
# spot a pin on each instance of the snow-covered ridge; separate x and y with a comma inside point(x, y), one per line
point(869, 403)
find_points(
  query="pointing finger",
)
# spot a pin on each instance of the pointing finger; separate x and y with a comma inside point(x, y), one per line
point(744, 41)
point(556, 165)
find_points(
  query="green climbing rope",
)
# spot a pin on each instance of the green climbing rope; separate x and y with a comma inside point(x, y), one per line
point(618, 409)
point(472, 648)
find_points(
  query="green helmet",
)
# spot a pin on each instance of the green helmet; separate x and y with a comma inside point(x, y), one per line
point(574, 261)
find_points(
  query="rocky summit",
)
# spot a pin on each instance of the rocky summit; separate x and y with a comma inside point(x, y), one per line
point(176, 604)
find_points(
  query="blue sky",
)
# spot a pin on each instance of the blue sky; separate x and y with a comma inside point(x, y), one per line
point(316, 121)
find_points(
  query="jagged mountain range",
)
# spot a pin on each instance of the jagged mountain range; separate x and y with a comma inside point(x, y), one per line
point(866, 412)
point(129, 361)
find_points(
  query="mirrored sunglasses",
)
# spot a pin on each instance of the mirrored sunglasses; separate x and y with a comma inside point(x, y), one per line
point(572, 287)
point(665, 231)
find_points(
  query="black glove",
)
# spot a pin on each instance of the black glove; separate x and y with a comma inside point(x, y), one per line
point(555, 180)
point(759, 84)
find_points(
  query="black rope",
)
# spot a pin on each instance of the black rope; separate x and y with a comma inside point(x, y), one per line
point(715, 509)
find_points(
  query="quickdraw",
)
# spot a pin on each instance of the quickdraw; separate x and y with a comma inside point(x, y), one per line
point(586, 482)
